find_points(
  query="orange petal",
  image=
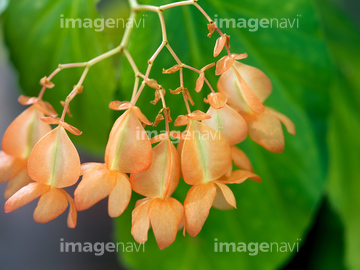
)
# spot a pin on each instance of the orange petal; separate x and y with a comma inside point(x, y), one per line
point(205, 154)
point(24, 100)
point(72, 216)
point(120, 195)
point(25, 195)
point(70, 128)
point(229, 123)
point(290, 127)
point(207, 67)
point(165, 217)
point(240, 159)
point(181, 120)
point(90, 166)
point(51, 205)
point(173, 69)
point(96, 184)
point(177, 90)
point(46, 108)
point(141, 222)
point(20, 180)
point(249, 96)
point(197, 204)
point(129, 148)
point(158, 119)
point(176, 134)
point(153, 84)
point(239, 56)
point(224, 64)
point(220, 43)
point(236, 82)
point(24, 132)
point(227, 194)
point(10, 166)
point(217, 100)
point(141, 116)
point(198, 115)
point(46, 82)
point(180, 146)
point(266, 130)
point(220, 201)
point(158, 138)
point(119, 105)
point(211, 27)
point(59, 159)
point(200, 82)
point(51, 120)
point(138, 202)
point(238, 177)
point(161, 179)
point(257, 80)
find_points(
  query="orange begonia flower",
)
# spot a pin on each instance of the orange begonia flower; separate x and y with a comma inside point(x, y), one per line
point(19, 139)
point(128, 151)
point(54, 163)
point(232, 126)
point(201, 197)
point(229, 123)
point(205, 154)
point(97, 183)
point(158, 209)
point(246, 88)
point(129, 148)
point(217, 100)
point(205, 159)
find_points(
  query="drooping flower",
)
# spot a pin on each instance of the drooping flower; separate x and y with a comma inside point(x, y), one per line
point(203, 195)
point(246, 88)
point(232, 126)
point(97, 183)
point(205, 159)
point(129, 148)
point(128, 151)
point(229, 123)
point(53, 164)
point(158, 210)
point(205, 154)
point(18, 141)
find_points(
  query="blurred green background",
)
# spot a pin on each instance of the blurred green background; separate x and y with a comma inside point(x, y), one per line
point(309, 192)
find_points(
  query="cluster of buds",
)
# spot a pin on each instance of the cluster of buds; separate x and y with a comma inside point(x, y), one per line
point(40, 161)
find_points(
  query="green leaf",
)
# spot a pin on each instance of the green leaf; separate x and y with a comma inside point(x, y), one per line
point(344, 146)
point(37, 44)
point(282, 207)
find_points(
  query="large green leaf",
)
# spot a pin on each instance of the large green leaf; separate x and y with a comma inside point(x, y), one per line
point(37, 44)
point(344, 126)
point(282, 207)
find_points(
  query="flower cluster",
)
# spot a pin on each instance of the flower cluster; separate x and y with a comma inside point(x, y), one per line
point(40, 161)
